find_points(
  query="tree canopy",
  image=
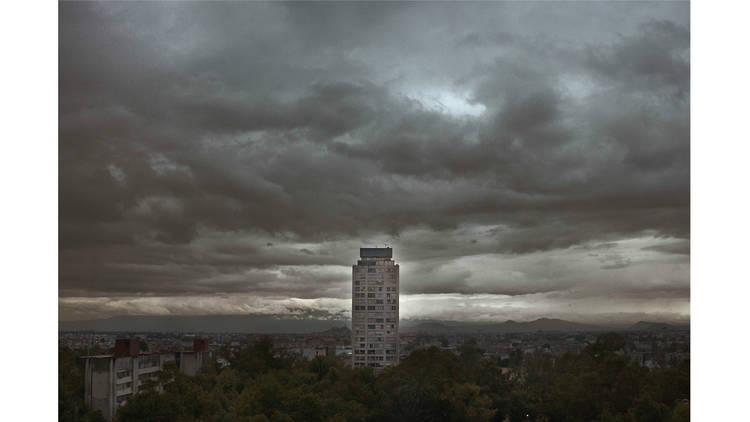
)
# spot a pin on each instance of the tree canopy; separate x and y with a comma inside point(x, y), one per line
point(261, 384)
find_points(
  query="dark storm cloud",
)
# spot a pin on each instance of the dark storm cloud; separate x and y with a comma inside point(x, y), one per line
point(221, 267)
point(249, 148)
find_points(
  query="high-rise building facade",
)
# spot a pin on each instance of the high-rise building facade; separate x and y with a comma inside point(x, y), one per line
point(375, 285)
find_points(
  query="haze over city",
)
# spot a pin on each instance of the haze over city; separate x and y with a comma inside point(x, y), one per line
point(522, 160)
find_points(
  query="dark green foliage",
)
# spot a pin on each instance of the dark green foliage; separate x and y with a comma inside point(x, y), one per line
point(599, 384)
point(609, 342)
point(681, 412)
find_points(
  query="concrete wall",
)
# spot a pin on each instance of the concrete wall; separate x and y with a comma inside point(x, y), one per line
point(190, 363)
point(99, 387)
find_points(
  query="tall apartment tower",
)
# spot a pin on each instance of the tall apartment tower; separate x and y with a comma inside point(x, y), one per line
point(375, 309)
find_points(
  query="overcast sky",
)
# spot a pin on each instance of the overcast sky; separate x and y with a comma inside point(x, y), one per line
point(523, 160)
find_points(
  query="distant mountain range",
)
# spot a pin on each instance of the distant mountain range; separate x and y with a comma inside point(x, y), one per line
point(204, 323)
point(542, 324)
point(657, 326)
point(266, 324)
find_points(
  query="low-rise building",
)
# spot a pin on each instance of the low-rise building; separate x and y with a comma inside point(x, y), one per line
point(111, 379)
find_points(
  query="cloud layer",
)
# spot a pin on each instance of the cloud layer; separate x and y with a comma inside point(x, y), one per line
point(245, 151)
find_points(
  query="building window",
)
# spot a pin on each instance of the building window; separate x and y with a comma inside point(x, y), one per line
point(148, 361)
point(149, 375)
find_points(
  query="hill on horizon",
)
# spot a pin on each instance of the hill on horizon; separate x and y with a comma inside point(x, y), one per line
point(656, 326)
point(263, 324)
point(283, 324)
point(509, 326)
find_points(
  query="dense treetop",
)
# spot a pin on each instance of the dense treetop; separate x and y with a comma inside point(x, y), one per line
point(261, 384)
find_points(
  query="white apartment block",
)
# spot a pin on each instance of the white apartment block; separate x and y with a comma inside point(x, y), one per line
point(112, 379)
point(375, 287)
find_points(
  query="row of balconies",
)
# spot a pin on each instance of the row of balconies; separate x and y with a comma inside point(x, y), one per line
point(390, 289)
point(389, 316)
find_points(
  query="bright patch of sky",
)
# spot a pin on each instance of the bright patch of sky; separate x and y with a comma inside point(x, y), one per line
point(446, 101)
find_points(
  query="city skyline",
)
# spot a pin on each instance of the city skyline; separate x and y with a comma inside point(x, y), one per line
point(526, 160)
